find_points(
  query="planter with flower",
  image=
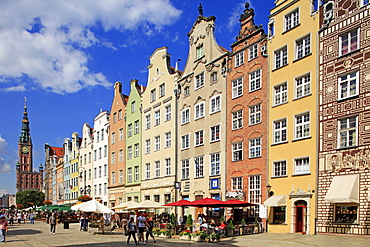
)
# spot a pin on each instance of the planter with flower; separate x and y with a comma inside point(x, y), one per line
point(213, 238)
point(156, 231)
point(84, 198)
point(199, 236)
point(47, 202)
point(165, 233)
point(185, 235)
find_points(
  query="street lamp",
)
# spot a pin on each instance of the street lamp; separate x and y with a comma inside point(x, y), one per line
point(87, 188)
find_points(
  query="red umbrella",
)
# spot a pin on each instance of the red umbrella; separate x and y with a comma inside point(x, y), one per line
point(237, 203)
point(207, 202)
point(179, 203)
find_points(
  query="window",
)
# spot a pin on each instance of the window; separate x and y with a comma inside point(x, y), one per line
point(237, 119)
point(200, 51)
point(113, 178)
point(113, 158)
point(215, 164)
point(105, 189)
point(102, 134)
point(129, 175)
point(199, 81)
point(95, 173)
point(120, 179)
point(186, 90)
point(185, 169)
point(105, 170)
point(137, 127)
point(292, 20)
point(255, 80)
point(199, 110)
point(147, 122)
point(167, 110)
point(137, 150)
point(255, 148)
point(303, 86)
point(237, 149)
point(185, 141)
point(255, 189)
point(214, 77)
point(348, 85)
point(236, 183)
point(157, 168)
point(281, 94)
point(129, 130)
point(215, 104)
point(113, 137)
point(302, 166)
point(147, 146)
point(133, 107)
point(115, 117)
point(280, 131)
point(237, 87)
point(253, 52)
point(156, 198)
point(152, 95)
point(121, 134)
point(185, 116)
point(129, 152)
point(349, 42)
point(95, 155)
point(147, 171)
point(119, 114)
point(120, 157)
point(199, 138)
point(281, 58)
point(239, 58)
point(136, 173)
point(157, 118)
point(255, 114)
point(302, 126)
point(347, 132)
point(168, 166)
point(346, 213)
point(157, 143)
point(215, 133)
point(199, 166)
point(161, 90)
point(278, 215)
point(97, 136)
point(279, 169)
point(303, 47)
point(100, 153)
point(271, 28)
point(167, 138)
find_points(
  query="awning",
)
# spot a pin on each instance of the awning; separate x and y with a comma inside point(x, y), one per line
point(276, 201)
point(343, 189)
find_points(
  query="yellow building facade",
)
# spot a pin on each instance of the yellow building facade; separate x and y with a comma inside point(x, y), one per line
point(292, 29)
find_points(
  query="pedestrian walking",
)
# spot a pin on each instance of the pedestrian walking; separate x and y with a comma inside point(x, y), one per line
point(32, 218)
point(52, 223)
point(124, 222)
point(3, 228)
point(11, 219)
point(132, 230)
point(19, 218)
point(141, 222)
point(149, 231)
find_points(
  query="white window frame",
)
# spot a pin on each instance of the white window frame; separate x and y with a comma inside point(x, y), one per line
point(279, 168)
point(129, 130)
point(199, 110)
point(253, 52)
point(185, 116)
point(281, 94)
point(157, 169)
point(237, 119)
point(237, 87)
point(215, 133)
point(271, 28)
point(281, 57)
point(255, 148)
point(255, 114)
point(239, 59)
point(168, 139)
point(129, 152)
point(147, 121)
point(121, 134)
point(302, 166)
point(113, 137)
point(215, 164)
point(157, 143)
point(291, 20)
point(136, 150)
point(185, 169)
point(280, 128)
point(348, 36)
point(153, 95)
point(113, 157)
point(303, 86)
point(120, 155)
point(255, 190)
point(348, 132)
point(133, 107)
point(147, 170)
point(120, 176)
point(136, 127)
point(157, 118)
point(185, 141)
point(237, 184)
point(199, 166)
point(199, 138)
point(215, 104)
point(199, 81)
point(346, 83)
point(136, 170)
point(147, 146)
point(167, 113)
point(162, 90)
point(113, 176)
point(302, 125)
point(237, 151)
point(255, 80)
point(129, 175)
point(303, 47)
point(199, 52)
point(167, 166)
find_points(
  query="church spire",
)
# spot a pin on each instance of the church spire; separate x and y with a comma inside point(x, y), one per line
point(25, 135)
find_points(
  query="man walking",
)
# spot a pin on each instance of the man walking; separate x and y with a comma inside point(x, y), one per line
point(141, 222)
point(3, 228)
point(53, 223)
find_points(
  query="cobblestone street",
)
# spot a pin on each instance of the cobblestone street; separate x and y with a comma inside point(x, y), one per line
point(38, 235)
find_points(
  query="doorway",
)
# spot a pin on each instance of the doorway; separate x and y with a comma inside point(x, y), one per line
point(300, 216)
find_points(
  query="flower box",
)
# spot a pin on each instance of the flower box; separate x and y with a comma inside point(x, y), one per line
point(196, 238)
point(185, 237)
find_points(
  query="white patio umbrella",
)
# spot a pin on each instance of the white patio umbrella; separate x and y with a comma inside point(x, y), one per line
point(92, 206)
point(126, 205)
point(146, 204)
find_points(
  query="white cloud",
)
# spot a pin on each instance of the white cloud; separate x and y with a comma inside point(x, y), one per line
point(3, 145)
point(4, 166)
point(42, 41)
point(234, 16)
point(3, 192)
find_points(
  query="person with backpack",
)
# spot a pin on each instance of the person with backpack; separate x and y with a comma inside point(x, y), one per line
point(132, 228)
point(149, 231)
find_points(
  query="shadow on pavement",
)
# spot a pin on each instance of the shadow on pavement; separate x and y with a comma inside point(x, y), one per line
point(22, 232)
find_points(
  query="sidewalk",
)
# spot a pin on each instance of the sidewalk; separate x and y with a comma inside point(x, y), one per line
point(38, 235)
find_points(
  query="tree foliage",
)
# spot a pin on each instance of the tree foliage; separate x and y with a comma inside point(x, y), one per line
point(34, 196)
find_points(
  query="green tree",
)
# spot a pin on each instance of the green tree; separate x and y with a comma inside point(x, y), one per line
point(189, 222)
point(34, 196)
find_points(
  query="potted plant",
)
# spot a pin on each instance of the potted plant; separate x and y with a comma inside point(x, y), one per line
point(231, 228)
point(156, 231)
point(199, 236)
point(165, 233)
point(189, 222)
point(256, 226)
point(214, 237)
point(185, 234)
point(242, 228)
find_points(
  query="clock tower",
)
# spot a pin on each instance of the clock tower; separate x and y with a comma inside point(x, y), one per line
point(27, 179)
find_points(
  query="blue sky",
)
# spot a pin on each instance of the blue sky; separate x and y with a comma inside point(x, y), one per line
point(65, 55)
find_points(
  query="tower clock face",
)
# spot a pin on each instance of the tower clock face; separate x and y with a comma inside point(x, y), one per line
point(25, 149)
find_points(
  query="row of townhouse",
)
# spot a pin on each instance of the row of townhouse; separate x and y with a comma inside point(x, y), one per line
point(281, 121)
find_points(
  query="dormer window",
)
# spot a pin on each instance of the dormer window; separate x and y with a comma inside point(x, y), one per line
point(200, 51)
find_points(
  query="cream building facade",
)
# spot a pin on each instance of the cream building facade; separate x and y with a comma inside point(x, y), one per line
point(86, 165)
